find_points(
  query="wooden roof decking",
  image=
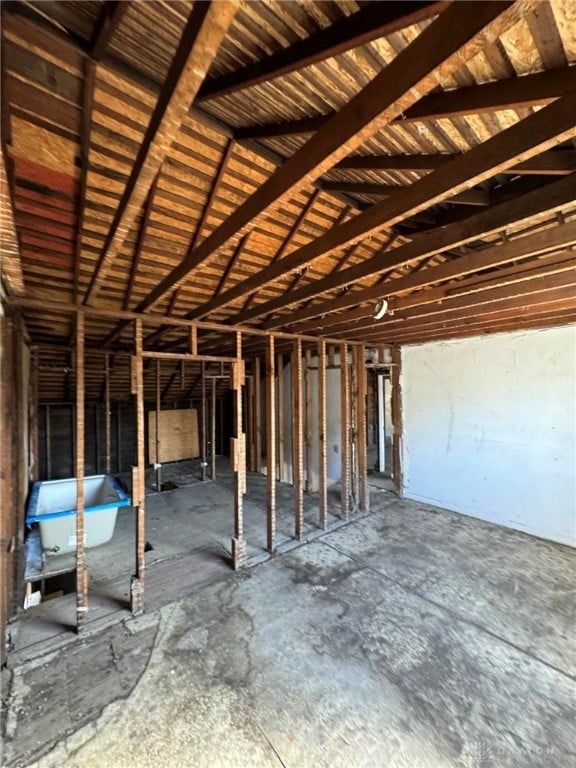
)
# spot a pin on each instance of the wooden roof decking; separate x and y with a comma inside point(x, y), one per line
point(238, 218)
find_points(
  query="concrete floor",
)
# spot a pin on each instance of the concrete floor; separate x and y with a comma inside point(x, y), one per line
point(410, 638)
point(189, 531)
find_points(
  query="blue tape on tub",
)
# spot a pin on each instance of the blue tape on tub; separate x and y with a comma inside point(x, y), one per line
point(122, 501)
point(70, 512)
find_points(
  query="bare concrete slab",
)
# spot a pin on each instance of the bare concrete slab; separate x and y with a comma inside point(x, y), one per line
point(411, 638)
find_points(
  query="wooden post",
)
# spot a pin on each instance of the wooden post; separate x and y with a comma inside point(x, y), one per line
point(238, 453)
point(138, 473)
point(119, 436)
point(308, 421)
point(396, 418)
point(270, 445)
point(81, 569)
point(213, 432)
point(48, 430)
point(322, 436)
point(193, 340)
point(345, 425)
point(354, 429)
point(204, 436)
point(361, 435)
point(157, 431)
point(280, 371)
point(34, 419)
point(251, 454)
point(297, 439)
point(257, 415)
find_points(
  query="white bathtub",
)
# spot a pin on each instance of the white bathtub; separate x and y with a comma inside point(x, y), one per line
point(52, 505)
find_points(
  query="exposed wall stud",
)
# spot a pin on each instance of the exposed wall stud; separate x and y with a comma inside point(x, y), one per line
point(138, 474)
point(270, 446)
point(238, 455)
point(107, 414)
point(280, 372)
point(345, 425)
point(308, 420)
point(396, 419)
point(81, 569)
point(297, 440)
point(322, 436)
point(257, 415)
point(361, 434)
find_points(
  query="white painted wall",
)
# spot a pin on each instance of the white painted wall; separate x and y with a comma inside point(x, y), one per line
point(489, 428)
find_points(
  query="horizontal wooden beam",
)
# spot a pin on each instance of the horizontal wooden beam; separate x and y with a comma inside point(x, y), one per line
point(550, 199)
point(468, 197)
point(454, 35)
point(554, 163)
point(369, 23)
point(513, 93)
point(538, 290)
point(523, 272)
point(61, 308)
point(538, 132)
point(475, 261)
point(541, 316)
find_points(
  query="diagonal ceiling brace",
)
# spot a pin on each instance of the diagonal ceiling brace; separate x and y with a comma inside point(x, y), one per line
point(201, 39)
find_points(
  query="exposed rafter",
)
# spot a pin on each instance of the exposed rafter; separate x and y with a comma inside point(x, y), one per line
point(206, 27)
point(514, 93)
point(552, 163)
point(534, 134)
point(557, 195)
point(458, 33)
point(468, 197)
point(362, 27)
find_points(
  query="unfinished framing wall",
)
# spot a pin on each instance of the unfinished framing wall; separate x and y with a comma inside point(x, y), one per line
point(15, 464)
point(489, 428)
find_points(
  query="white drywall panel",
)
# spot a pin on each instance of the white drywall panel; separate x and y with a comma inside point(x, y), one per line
point(489, 428)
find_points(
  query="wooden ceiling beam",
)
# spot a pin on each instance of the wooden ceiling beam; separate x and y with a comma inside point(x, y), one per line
point(369, 23)
point(456, 35)
point(473, 261)
point(11, 264)
point(537, 317)
point(468, 197)
point(199, 44)
point(553, 197)
point(514, 93)
point(109, 21)
point(536, 133)
point(362, 317)
point(552, 163)
point(543, 289)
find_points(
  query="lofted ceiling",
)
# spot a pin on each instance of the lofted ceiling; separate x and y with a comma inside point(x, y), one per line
point(284, 165)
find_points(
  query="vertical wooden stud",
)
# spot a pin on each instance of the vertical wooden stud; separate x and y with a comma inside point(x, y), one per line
point(257, 415)
point(203, 421)
point(157, 431)
point(213, 432)
point(48, 430)
point(345, 426)
point(297, 440)
point(138, 473)
point(34, 419)
point(322, 436)
point(119, 436)
point(193, 341)
point(270, 445)
point(239, 459)
point(308, 420)
point(251, 454)
point(396, 418)
point(81, 569)
point(280, 371)
point(355, 491)
point(361, 433)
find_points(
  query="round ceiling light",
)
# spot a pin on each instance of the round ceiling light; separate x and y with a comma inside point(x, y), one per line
point(380, 309)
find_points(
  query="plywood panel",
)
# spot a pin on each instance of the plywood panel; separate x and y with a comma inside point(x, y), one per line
point(178, 433)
